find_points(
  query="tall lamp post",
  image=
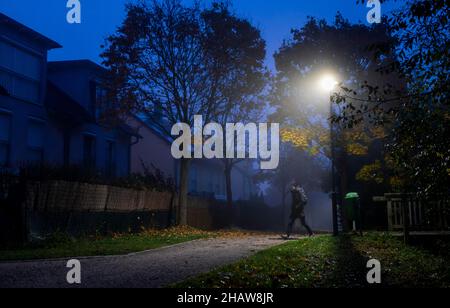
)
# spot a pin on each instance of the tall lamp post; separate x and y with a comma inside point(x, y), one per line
point(328, 83)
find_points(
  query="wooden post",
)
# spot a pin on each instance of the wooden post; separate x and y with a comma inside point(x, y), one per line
point(405, 205)
point(390, 215)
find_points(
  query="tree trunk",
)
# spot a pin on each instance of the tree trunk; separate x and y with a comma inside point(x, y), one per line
point(283, 204)
point(184, 190)
point(227, 170)
point(343, 190)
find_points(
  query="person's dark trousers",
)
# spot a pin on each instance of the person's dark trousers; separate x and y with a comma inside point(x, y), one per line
point(303, 221)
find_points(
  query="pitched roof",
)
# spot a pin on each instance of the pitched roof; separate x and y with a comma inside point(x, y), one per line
point(64, 108)
point(154, 128)
point(127, 129)
point(69, 112)
point(11, 23)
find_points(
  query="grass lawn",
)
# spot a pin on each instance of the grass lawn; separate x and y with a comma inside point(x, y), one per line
point(60, 246)
point(332, 262)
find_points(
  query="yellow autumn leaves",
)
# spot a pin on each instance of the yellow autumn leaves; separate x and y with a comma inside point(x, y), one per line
point(315, 139)
point(371, 173)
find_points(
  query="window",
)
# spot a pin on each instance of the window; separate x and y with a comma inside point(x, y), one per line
point(5, 137)
point(100, 95)
point(110, 158)
point(26, 90)
point(99, 106)
point(35, 141)
point(20, 72)
point(6, 81)
point(89, 152)
point(7, 55)
point(27, 64)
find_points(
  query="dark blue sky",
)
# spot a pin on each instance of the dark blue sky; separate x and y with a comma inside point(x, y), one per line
point(100, 17)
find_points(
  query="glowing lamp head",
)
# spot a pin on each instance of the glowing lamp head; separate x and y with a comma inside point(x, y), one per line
point(328, 83)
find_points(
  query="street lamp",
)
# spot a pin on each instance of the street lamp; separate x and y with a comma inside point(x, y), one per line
point(328, 83)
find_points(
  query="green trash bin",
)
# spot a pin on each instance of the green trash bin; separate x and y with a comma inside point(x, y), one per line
point(353, 211)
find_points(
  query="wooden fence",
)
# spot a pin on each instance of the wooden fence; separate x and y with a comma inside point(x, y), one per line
point(39, 209)
point(61, 196)
point(434, 215)
point(80, 208)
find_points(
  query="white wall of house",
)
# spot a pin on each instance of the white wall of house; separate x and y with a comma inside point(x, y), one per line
point(152, 149)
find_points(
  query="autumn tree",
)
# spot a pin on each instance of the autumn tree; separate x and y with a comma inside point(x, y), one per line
point(158, 66)
point(236, 53)
point(169, 62)
point(418, 143)
point(316, 49)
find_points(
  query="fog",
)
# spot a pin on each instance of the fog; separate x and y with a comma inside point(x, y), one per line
point(319, 212)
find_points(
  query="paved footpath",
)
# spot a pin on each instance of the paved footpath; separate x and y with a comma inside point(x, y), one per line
point(150, 269)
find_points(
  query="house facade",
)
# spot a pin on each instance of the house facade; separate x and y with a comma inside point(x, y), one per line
point(48, 111)
point(86, 140)
point(25, 132)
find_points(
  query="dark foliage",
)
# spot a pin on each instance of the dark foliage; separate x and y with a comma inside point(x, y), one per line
point(419, 113)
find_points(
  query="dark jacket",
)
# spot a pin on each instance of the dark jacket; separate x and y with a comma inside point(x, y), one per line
point(299, 201)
